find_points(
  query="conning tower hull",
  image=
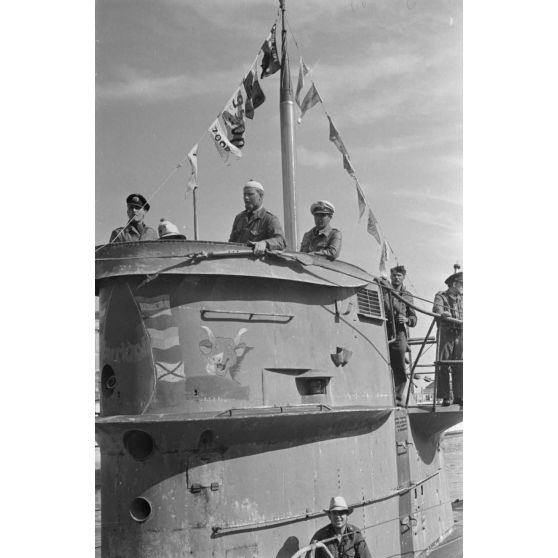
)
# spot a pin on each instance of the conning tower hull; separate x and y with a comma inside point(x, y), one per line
point(239, 394)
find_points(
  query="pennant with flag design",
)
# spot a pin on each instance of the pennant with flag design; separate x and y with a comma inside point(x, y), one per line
point(310, 99)
point(338, 142)
point(222, 143)
point(254, 94)
point(336, 138)
point(348, 166)
point(372, 226)
point(193, 158)
point(270, 60)
point(233, 117)
point(302, 71)
point(384, 258)
point(361, 201)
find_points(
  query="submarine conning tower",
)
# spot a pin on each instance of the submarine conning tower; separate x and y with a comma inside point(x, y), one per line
point(238, 394)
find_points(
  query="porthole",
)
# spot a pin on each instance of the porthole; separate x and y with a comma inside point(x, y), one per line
point(139, 444)
point(108, 381)
point(140, 509)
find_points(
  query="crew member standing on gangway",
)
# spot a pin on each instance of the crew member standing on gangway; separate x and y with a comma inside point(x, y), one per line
point(255, 226)
point(400, 317)
point(449, 304)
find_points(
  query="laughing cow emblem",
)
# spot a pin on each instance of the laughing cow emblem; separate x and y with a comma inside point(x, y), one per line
point(223, 354)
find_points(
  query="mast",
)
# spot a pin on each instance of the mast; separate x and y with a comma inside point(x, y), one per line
point(195, 213)
point(286, 106)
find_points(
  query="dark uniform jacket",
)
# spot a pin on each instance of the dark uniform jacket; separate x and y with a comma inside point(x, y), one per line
point(446, 302)
point(325, 241)
point(260, 225)
point(352, 543)
point(133, 233)
point(399, 308)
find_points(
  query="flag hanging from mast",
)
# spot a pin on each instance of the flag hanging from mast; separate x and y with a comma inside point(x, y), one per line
point(270, 60)
point(361, 200)
point(222, 144)
point(311, 99)
point(302, 71)
point(193, 158)
point(384, 258)
point(348, 166)
point(336, 138)
point(338, 142)
point(372, 226)
point(233, 117)
point(254, 94)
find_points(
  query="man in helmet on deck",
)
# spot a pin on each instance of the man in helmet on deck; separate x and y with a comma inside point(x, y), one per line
point(255, 226)
point(323, 239)
point(135, 229)
point(347, 540)
point(449, 304)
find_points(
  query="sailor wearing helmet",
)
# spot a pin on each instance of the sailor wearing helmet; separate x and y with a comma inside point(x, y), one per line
point(323, 239)
point(135, 229)
point(346, 540)
point(255, 226)
point(169, 231)
point(449, 304)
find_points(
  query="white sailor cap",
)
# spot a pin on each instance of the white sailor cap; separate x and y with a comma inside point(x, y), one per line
point(322, 206)
point(254, 184)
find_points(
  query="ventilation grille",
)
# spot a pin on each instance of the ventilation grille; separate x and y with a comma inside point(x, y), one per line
point(369, 303)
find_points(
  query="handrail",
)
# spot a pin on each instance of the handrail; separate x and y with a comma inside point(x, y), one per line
point(426, 312)
point(417, 360)
point(427, 340)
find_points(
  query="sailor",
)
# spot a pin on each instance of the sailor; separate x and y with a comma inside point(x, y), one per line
point(345, 539)
point(449, 304)
point(255, 226)
point(135, 229)
point(169, 231)
point(400, 317)
point(322, 239)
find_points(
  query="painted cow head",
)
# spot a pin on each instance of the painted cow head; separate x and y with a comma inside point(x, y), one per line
point(223, 354)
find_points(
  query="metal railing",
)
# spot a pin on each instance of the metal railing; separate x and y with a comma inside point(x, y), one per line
point(424, 342)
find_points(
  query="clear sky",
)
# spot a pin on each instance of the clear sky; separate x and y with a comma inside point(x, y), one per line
point(389, 73)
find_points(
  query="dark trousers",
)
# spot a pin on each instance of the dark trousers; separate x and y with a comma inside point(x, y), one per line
point(397, 350)
point(451, 348)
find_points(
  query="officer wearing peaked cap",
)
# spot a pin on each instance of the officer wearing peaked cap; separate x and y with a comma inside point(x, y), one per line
point(346, 539)
point(256, 226)
point(322, 239)
point(449, 304)
point(135, 230)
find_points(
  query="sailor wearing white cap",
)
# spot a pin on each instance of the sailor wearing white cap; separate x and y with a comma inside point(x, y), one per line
point(255, 226)
point(323, 239)
point(347, 540)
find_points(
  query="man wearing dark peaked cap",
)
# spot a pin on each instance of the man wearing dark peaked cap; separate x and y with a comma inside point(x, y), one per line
point(449, 304)
point(135, 230)
point(323, 239)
